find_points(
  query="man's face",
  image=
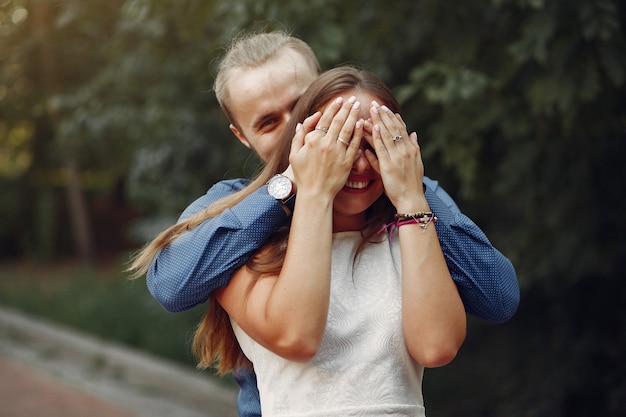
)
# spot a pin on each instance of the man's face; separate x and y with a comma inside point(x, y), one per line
point(262, 98)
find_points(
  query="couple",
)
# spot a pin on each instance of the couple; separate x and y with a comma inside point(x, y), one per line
point(322, 316)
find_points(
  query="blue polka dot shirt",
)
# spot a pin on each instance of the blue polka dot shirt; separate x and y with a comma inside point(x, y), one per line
point(202, 260)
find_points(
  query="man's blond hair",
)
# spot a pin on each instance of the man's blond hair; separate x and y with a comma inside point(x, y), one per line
point(252, 50)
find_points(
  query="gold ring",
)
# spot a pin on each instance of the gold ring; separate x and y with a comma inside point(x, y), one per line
point(397, 138)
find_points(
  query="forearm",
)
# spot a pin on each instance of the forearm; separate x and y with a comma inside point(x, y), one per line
point(433, 315)
point(485, 278)
point(287, 312)
point(300, 298)
point(185, 273)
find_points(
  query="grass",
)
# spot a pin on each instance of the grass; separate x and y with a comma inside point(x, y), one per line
point(536, 358)
point(100, 301)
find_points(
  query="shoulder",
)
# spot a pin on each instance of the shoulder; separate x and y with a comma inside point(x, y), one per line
point(229, 186)
point(217, 191)
point(436, 194)
point(430, 183)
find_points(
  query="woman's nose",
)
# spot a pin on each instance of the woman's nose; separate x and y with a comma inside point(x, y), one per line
point(360, 164)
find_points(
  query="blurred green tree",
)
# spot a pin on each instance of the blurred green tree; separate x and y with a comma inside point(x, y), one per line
point(48, 49)
point(520, 106)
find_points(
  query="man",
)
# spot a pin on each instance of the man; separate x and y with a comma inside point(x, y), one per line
point(258, 82)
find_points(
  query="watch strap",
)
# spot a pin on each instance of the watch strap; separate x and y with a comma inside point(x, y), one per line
point(290, 201)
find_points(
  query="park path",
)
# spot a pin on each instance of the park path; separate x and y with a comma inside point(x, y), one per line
point(49, 371)
point(27, 392)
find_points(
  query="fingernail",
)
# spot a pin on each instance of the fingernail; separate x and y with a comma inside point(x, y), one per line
point(375, 103)
point(339, 100)
point(298, 127)
point(358, 124)
point(374, 109)
point(352, 99)
point(385, 108)
point(356, 105)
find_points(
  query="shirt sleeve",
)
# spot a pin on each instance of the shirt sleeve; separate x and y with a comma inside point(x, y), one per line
point(249, 400)
point(185, 272)
point(486, 279)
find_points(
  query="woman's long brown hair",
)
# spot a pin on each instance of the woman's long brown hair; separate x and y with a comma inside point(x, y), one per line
point(214, 342)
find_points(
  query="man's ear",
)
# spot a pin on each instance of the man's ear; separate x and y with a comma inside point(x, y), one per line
point(240, 136)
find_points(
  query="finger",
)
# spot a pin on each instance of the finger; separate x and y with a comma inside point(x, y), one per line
point(310, 122)
point(373, 160)
point(401, 123)
point(368, 125)
point(374, 116)
point(355, 142)
point(329, 113)
point(367, 131)
point(388, 117)
point(377, 143)
point(400, 120)
point(298, 139)
point(367, 137)
point(307, 127)
point(377, 130)
point(341, 117)
point(394, 126)
point(348, 130)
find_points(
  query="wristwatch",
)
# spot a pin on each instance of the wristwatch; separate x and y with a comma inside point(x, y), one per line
point(281, 188)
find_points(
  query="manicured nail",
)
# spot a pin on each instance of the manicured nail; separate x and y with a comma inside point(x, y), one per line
point(385, 108)
point(375, 109)
point(356, 105)
point(339, 100)
point(352, 99)
point(298, 127)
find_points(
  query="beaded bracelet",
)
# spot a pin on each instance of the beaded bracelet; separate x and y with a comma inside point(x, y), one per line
point(422, 218)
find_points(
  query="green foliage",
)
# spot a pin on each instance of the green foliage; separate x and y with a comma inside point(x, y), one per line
point(519, 104)
point(102, 303)
point(541, 362)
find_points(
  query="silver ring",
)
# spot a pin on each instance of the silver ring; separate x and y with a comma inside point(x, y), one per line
point(345, 142)
point(322, 128)
point(397, 138)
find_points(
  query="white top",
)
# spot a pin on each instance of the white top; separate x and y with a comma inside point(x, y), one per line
point(362, 367)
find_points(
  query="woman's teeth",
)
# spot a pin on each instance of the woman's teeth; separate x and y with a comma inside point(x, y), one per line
point(357, 184)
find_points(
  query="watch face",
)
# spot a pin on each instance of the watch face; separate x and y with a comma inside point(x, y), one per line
point(279, 187)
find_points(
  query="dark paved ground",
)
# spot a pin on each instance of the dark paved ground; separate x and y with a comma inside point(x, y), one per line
point(50, 371)
point(26, 392)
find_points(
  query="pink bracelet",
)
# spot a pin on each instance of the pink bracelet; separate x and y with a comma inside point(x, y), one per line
point(423, 224)
point(423, 219)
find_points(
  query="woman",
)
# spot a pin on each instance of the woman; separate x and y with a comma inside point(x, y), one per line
point(337, 317)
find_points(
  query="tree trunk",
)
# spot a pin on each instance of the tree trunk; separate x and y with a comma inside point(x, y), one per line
point(79, 217)
point(43, 14)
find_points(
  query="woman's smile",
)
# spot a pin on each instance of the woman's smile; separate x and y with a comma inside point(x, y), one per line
point(356, 185)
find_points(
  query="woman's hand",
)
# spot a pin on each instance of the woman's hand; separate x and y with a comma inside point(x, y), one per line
point(398, 160)
point(321, 157)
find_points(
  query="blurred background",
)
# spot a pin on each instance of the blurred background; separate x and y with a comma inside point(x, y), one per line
point(109, 129)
